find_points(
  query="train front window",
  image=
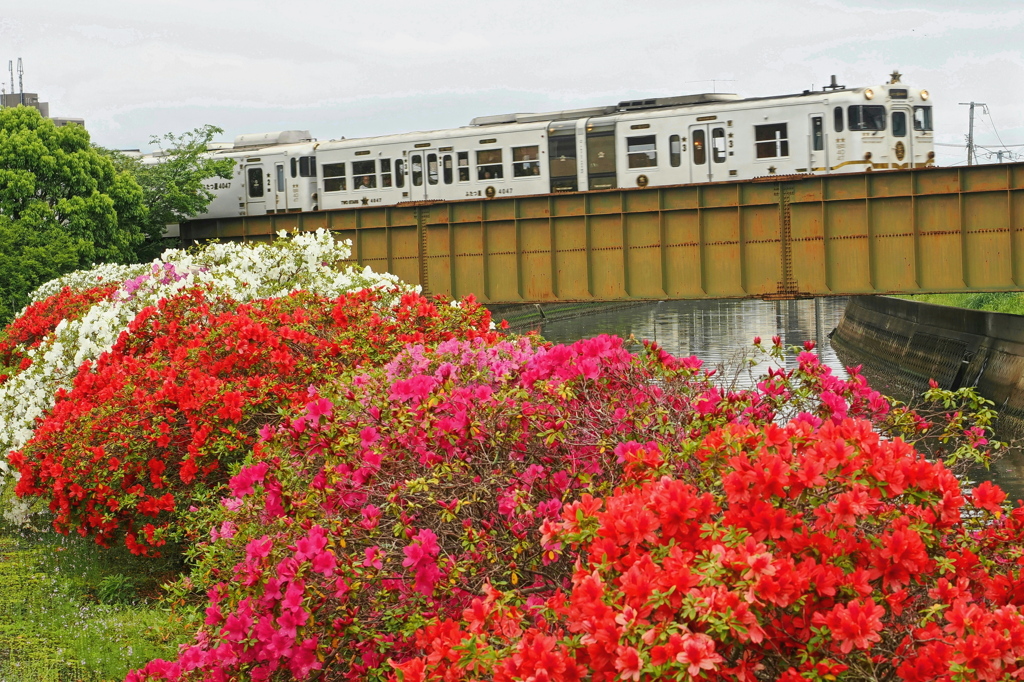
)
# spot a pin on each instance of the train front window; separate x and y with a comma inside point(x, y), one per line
point(334, 177)
point(463, 158)
point(899, 124)
point(525, 161)
point(837, 119)
point(771, 140)
point(923, 119)
point(295, 166)
point(866, 117)
point(488, 164)
point(385, 172)
point(718, 145)
point(642, 151)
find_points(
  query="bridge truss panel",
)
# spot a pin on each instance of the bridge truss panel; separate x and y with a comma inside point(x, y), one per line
point(907, 231)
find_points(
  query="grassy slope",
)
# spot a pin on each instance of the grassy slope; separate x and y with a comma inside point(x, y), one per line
point(67, 613)
point(1006, 302)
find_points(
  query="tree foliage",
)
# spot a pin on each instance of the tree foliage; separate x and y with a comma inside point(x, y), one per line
point(63, 204)
point(173, 188)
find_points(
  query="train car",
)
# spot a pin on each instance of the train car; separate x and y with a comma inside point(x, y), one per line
point(274, 173)
point(700, 138)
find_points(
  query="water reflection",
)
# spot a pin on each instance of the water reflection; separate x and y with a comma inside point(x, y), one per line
point(721, 333)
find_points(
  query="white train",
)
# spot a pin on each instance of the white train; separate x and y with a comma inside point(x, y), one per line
point(662, 141)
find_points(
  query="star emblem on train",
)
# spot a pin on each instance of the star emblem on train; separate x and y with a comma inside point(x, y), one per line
point(366, 200)
point(895, 77)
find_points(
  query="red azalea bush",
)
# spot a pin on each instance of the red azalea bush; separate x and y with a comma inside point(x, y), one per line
point(823, 554)
point(397, 498)
point(155, 423)
point(39, 319)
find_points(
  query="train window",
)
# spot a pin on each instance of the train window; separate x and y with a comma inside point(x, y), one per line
point(899, 124)
point(718, 145)
point(562, 161)
point(255, 183)
point(416, 163)
point(817, 133)
point(307, 167)
point(601, 154)
point(525, 161)
point(364, 174)
point(432, 169)
point(488, 164)
point(674, 155)
point(922, 118)
point(446, 168)
point(280, 177)
point(771, 140)
point(463, 166)
point(399, 173)
point(866, 117)
point(642, 151)
point(700, 149)
point(385, 172)
point(837, 119)
point(295, 166)
point(334, 177)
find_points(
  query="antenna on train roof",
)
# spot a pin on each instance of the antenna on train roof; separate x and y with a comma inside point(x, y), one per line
point(834, 85)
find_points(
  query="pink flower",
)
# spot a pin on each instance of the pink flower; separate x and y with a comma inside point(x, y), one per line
point(373, 557)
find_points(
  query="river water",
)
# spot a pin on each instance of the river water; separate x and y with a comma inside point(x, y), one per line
point(721, 334)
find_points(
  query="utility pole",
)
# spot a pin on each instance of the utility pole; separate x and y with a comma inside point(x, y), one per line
point(971, 156)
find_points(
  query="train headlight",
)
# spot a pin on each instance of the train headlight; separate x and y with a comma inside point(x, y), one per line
point(925, 95)
point(869, 94)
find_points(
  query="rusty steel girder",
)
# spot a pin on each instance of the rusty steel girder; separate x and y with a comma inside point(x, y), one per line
point(906, 231)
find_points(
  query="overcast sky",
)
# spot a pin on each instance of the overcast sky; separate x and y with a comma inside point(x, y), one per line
point(341, 68)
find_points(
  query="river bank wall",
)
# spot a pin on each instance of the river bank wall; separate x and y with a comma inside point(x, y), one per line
point(902, 344)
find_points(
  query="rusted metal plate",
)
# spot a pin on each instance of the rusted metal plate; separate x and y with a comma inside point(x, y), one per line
point(911, 231)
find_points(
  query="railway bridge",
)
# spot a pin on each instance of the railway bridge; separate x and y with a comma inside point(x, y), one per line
point(905, 231)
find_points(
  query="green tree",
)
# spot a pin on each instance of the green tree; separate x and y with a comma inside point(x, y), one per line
point(63, 205)
point(172, 183)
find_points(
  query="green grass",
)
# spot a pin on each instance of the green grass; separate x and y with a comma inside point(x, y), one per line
point(72, 611)
point(999, 302)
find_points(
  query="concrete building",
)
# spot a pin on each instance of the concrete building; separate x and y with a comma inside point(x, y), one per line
point(31, 99)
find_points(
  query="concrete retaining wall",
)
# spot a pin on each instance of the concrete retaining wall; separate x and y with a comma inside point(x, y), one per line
point(908, 343)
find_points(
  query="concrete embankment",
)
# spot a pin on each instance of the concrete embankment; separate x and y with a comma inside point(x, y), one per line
point(902, 344)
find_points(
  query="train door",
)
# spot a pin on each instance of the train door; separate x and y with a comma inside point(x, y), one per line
point(817, 154)
point(562, 156)
point(423, 175)
point(255, 190)
point(601, 156)
point(901, 152)
point(709, 153)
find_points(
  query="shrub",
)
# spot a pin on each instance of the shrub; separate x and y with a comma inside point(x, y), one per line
point(396, 497)
point(154, 424)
